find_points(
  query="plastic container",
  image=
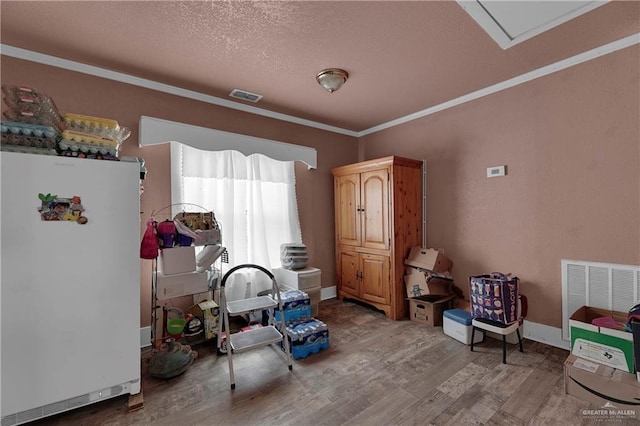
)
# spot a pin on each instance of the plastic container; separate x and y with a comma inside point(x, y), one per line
point(26, 129)
point(98, 126)
point(33, 116)
point(22, 98)
point(456, 323)
point(175, 326)
point(301, 279)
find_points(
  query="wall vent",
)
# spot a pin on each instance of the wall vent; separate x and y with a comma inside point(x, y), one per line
point(65, 405)
point(600, 285)
point(245, 96)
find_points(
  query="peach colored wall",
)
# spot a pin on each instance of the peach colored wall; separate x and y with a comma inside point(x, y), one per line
point(84, 94)
point(571, 143)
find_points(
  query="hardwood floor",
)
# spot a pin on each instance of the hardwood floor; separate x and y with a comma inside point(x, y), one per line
point(376, 372)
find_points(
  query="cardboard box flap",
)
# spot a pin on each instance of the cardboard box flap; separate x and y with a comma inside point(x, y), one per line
point(583, 318)
point(433, 299)
point(424, 285)
point(587, 314)
point(429, 259)
point(207, 304)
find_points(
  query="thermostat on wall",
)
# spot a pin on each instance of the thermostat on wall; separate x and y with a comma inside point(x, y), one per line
point(496, 171)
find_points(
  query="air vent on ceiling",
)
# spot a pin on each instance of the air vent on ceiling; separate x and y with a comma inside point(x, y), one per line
point(512, 22)
point(245, 96)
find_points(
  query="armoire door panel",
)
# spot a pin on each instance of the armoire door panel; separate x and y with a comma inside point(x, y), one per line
point(375, 278)
point(348, 205)
point(349, 273)
point(375, 203)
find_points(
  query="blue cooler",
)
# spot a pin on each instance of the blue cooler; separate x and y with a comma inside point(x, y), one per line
point(456, 323)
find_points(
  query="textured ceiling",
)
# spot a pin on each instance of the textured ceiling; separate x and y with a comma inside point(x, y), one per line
point(402, 57)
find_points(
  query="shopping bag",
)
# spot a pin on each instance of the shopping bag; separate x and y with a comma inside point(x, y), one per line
point(149, 244)
point(167, 233)
point(494, 297)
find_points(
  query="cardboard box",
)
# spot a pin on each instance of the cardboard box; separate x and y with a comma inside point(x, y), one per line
point(177, 260)
point(426, 284)
point(607, 346)
point(209, 312)
point(428, 310)
point(429, 259)
point(616, 394)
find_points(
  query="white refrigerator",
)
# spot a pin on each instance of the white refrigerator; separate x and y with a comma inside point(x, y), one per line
point(69, 283)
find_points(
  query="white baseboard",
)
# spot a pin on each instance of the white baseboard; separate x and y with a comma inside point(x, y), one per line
point(145, 337)
point(545, 334)
point(328, 293)
point(548, 335)
point(533, 331)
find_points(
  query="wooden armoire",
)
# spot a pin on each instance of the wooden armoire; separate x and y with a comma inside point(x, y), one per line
point(378, 208)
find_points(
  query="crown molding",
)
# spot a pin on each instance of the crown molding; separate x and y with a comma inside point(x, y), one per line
point(512, 82)
point(153, 85)
point(41, 58)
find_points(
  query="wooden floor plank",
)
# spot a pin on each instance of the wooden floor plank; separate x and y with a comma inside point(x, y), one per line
point(423, 409)
point(375, 372)
point(527, 400)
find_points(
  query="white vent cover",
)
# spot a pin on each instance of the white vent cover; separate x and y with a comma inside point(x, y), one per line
point(512, 22)
point(65, 405)
point(245, 96)
point(600, 285)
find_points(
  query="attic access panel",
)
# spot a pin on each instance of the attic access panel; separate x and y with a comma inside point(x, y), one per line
point(512, 22)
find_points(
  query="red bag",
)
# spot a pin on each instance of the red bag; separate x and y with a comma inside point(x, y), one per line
point(149, 244)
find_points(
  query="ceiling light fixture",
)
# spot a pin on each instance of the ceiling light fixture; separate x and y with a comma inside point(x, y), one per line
point(332, 79)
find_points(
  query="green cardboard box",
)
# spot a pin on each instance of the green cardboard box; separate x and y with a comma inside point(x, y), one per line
point(607, 346)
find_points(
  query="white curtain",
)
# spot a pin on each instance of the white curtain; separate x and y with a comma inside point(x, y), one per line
point(254, 201)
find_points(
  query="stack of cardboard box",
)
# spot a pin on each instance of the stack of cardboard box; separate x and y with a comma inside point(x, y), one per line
point(429, 285)
point(601, 366)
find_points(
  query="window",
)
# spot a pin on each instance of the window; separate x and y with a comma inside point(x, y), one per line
point(253, 199)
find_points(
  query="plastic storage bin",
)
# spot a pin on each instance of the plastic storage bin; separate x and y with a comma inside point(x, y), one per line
point(456, 323)
point(301, 279)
